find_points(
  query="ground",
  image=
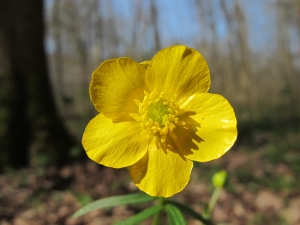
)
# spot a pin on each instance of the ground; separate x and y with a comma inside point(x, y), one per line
point(262, 187)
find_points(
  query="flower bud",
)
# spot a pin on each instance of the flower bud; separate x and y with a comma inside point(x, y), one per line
point(219, 179)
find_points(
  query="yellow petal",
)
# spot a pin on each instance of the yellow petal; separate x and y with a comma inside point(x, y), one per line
point(161, 173)
point(217, 132)
point(115, 85)
point(114, 145)
point(178, 70)
point(145, 64)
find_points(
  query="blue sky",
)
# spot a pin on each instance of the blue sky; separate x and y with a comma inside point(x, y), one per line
point(179, 21)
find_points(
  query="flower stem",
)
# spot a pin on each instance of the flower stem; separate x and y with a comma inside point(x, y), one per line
point(213, 201)
point(157, 217)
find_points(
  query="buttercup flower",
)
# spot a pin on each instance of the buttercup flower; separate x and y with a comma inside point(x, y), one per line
point(156, 118)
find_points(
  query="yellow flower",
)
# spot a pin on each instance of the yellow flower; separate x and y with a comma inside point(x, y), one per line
point(157, 117)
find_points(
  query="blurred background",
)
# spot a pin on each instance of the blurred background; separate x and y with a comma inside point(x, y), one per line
point(252, 48)
point(48, 51)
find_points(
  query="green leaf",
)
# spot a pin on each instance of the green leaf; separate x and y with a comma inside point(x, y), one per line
point(187, 210)
point(114, 201)
point(174, 215)
point(141, 216)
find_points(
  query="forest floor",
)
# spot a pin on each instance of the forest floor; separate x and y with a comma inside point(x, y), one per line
point(262, 187)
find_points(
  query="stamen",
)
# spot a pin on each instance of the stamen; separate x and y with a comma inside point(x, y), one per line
point(159, 117)
point(165, 119)
point(154, 129)
point(173, 118)
point(181, 123)
point(163, 138)
point(167, 123)
point(136, 116)
point(172, 127)
point(176, 120)
point(146, 100)
point(173, 135)
point(137, 102)
point(180, 112)
point(153, 94)
point(164, 131)
point(141, 106)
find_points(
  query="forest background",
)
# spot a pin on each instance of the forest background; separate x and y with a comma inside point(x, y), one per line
point(252, 48)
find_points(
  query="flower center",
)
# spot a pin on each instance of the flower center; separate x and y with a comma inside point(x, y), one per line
point(158, 115)
point(157, 111)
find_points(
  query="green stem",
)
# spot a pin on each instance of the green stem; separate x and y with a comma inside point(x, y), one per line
point(157, 217)
point(187, 210)
point(213, 201)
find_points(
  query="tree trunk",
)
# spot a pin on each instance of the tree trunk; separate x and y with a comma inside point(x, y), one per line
point(28, 116)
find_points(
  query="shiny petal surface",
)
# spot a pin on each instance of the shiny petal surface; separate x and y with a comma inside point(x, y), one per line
point(178, 70)
point(161, 173)
point(217, 132)
point(115, 85)
point(114, 145)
